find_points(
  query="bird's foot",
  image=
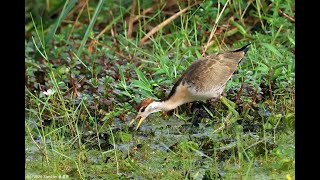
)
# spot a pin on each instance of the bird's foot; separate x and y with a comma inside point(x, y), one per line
point(198, 110)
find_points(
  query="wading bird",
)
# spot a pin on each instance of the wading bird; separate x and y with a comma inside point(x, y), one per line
point(205, 79)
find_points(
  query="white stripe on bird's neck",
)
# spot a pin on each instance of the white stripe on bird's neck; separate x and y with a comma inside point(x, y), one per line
point(181, 96)
point(164, 105)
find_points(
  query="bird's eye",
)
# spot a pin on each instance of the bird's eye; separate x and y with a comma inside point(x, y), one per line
point(142, 109)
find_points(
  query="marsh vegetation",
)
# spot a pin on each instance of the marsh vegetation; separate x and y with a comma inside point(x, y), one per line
point(88, 63)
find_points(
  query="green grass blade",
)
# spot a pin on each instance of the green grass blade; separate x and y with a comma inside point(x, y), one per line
point(241, 28)
point(66, 9)
point(93, 20)
point(44, 55)
point(272, 49)
point(142, 85)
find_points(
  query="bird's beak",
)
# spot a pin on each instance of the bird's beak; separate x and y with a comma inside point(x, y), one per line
point(140, 121)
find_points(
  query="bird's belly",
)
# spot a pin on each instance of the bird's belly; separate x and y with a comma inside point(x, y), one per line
point(204, 95)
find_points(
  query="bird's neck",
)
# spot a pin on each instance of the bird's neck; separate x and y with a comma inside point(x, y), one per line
point(179, 96)
point(166, 105)
point(169, 104)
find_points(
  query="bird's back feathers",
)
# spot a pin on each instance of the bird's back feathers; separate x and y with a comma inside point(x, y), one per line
point(210, 72)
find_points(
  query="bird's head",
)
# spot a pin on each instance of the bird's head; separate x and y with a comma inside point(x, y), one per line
point(144, 108)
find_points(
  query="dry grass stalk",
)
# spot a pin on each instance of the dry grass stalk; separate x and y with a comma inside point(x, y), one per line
point(163, 24)
point(209, 42)
point(131, 19)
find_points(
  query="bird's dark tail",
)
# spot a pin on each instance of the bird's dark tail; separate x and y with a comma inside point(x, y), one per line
point(244, 48)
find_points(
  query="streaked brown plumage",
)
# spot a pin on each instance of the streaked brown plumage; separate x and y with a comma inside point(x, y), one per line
point(204, 79)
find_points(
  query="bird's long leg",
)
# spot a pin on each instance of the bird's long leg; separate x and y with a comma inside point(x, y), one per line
point(195, 109)
point(230, 105)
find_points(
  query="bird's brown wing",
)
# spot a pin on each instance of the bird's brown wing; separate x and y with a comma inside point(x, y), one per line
point(212, 71)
